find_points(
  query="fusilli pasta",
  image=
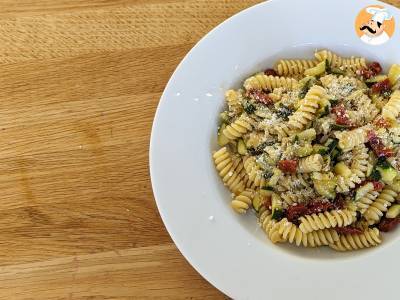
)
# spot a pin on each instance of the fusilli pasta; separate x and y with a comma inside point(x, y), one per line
point(308, 109)
point(392, 109)
point(241, 203)
point(269, 83)
point(381, 204)
point(313, 147)
point(292, 234)
point(351, 63)
point(349, 242)
point(339, 218)
point(287, 67)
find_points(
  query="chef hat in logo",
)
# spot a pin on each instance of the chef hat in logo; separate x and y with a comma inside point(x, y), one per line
point(379, 14)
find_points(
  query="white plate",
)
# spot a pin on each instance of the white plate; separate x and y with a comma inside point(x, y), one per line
point(230, 251)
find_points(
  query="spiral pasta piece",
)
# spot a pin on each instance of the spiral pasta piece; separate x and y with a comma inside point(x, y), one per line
point(335, 218)
point(366, 110)
point(242, 202)
point(377, 209)
point(359, 165)
point(288, 67)
point(351, 63)
point(293, 182)
point(349, 242)
point(233, 101)
point(391, 109)
point(277, 94)
point(282, 130)
point(364, 202)
point(229, 170)
point(238, 128)
point(306, 113)
point(254, 172)
point(297, 197)
point(268, 225)
point(290, 233)
point(269, 82)
point(345, 184)
point(352, 138)
point(312, 163)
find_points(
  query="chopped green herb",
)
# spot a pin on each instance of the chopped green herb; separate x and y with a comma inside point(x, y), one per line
point(328, 66)
point(278, 214)
point(383, 163)
point(375, 175)
point(249, 108)
point(332, 145)
point(339, 127)
point(334, 101)
point(267, 174)
point(284, 112)
point(267, 188)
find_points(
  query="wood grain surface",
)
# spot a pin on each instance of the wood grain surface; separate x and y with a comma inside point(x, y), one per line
point(80, 82)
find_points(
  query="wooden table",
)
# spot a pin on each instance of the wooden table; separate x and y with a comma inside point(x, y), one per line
point(80, 82)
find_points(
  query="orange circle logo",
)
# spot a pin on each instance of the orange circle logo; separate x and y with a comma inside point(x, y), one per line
point(375, 25)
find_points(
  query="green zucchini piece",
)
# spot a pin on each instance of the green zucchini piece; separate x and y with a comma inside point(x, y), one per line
point(319, 149)
point(305, 84)
point(377, 78)
point(319, 69)
point(304, 151)
point(257, 201)
point(222, 139)
point(307, 135)
point(388, 174)
point(393, 212)
point(342, 169)
point(277, 209)
point(224, 117)
point(241, 147)
point(337, 71)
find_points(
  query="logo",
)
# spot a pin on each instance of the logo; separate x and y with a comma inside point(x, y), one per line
point(375, 25)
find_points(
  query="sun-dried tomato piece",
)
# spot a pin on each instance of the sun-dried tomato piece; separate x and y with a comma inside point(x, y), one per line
point(365, 73)
point(382, 87)
point(296, 211)
point(375, 67)
point(378, 186)
point(387, 225)
point(270, 72)
point(377, 145)
point(288, 166)
point(338, 202)
point(318, 207)
point(348, 230)
point(382, 123)
point(342, 118)
point(370, 71)
point(267, 203)
point(260, 96)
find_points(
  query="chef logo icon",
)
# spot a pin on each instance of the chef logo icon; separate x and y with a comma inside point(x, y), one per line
point(375, 25)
